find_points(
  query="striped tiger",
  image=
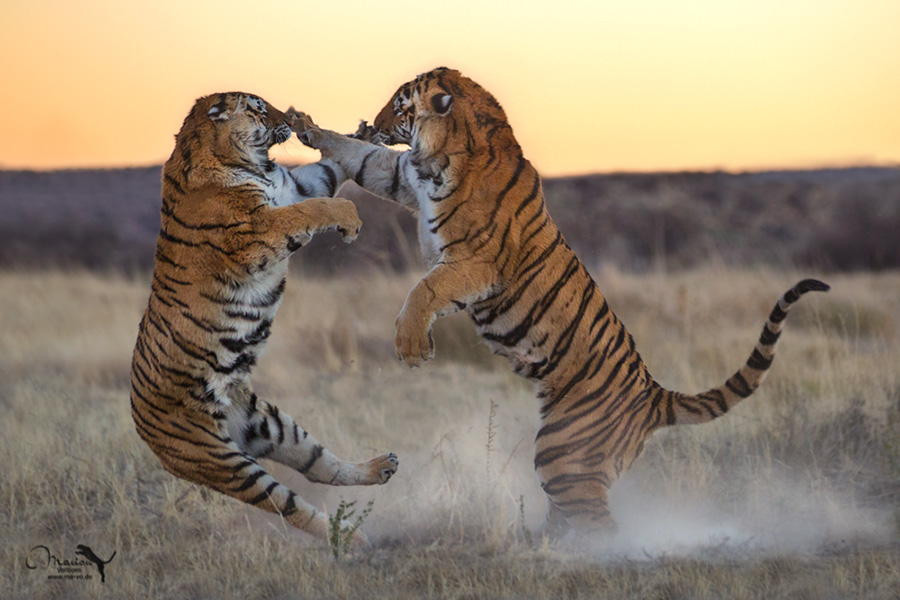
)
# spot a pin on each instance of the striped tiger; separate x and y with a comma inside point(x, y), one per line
point(494, 251)
point(230, 219)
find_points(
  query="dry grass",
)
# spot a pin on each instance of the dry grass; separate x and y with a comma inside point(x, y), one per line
point(793, 495)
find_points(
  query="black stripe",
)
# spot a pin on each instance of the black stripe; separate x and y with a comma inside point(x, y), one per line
point(243, 316)
point(777, 315)
point(225, 455)
point(290, 506)
point(176, 281)
point(739, 385)
point(358, 178)
point(718, 397)
point(249, 481)
point(316, 454)
point(768, 337)
point(273, 412)
point(204, 324)
point(331, 176)
point(395, 182)
point(171, 181)
point(444, 217)
point(264, 495)
point(161, 257)
point(531, 196)
point(164, 235)
point(204, 226)
point(812, 285)
point(758, 361)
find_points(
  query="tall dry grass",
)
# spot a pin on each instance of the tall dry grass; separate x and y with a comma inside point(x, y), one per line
point(793, 494)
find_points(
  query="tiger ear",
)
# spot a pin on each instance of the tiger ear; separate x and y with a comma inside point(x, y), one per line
point(217, 113)
point(441, 103)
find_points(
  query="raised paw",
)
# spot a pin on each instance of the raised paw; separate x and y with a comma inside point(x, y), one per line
point(382, 468)
point(305, 128)
point(346, 219)
point(413, 342)
point(299, 121)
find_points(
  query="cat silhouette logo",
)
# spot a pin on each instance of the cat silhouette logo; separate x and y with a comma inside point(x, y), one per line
point(86, 552)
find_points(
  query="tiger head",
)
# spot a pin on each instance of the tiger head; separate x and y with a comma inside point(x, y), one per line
point(235, 128)
point(439, 106)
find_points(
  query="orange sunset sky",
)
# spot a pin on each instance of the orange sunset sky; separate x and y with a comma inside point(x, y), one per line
point(588, 86)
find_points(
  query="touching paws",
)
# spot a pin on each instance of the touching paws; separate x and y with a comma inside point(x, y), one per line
point(302, 124)
point(299, 121)
point(368, 133)
point(383, 467)
point(413, 341)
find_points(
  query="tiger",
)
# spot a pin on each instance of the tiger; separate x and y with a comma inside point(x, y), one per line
point(493, 251)
point(229, 220)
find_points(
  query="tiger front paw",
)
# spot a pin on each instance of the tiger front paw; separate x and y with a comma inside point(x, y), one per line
point(299, 121)
point(413, 341)
point(345, 218)
point(306, 129)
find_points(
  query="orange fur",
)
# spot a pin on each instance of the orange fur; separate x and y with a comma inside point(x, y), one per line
point(494, 251)
point(221, 266)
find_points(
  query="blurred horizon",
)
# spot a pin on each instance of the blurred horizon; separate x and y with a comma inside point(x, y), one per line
point(588, 87)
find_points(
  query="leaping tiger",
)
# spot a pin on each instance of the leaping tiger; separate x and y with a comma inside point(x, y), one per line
point(494, 251)
point(230, 219)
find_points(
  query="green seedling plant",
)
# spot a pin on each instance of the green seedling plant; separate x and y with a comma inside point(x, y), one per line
point(343, 524)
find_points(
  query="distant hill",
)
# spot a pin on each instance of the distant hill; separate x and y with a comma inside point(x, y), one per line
point(836, 219)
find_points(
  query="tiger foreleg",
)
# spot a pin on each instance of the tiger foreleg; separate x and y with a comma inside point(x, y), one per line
point(264, 431)
point(384, 172)
point(445, 284)
point(281, 231)
point(321, 178)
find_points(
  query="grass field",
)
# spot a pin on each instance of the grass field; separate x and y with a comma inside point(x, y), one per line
point(794, 494)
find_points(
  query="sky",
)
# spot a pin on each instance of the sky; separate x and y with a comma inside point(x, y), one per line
point(591, 86)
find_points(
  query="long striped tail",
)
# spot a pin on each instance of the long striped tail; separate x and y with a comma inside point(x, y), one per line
point(683, 409)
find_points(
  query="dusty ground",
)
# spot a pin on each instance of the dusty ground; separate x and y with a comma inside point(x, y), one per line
point(794, 494)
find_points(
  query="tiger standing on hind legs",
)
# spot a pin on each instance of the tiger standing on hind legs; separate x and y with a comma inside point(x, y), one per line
point(220, 271)
point(493, 251)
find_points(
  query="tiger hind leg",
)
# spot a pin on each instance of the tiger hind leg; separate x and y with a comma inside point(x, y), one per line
point(216, 461)
point(582, 509)
point(577, 491)
point(265, 431)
